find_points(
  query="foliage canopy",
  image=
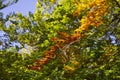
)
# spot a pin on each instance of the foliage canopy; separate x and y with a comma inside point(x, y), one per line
point(63, 40)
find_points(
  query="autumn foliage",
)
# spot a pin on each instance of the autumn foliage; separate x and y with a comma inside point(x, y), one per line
point(97, 9)
point(62, 40)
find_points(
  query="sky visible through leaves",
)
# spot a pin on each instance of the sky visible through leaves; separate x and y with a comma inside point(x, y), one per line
point(22, 6)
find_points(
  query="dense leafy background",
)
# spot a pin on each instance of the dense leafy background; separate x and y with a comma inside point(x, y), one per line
point(95, 56)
